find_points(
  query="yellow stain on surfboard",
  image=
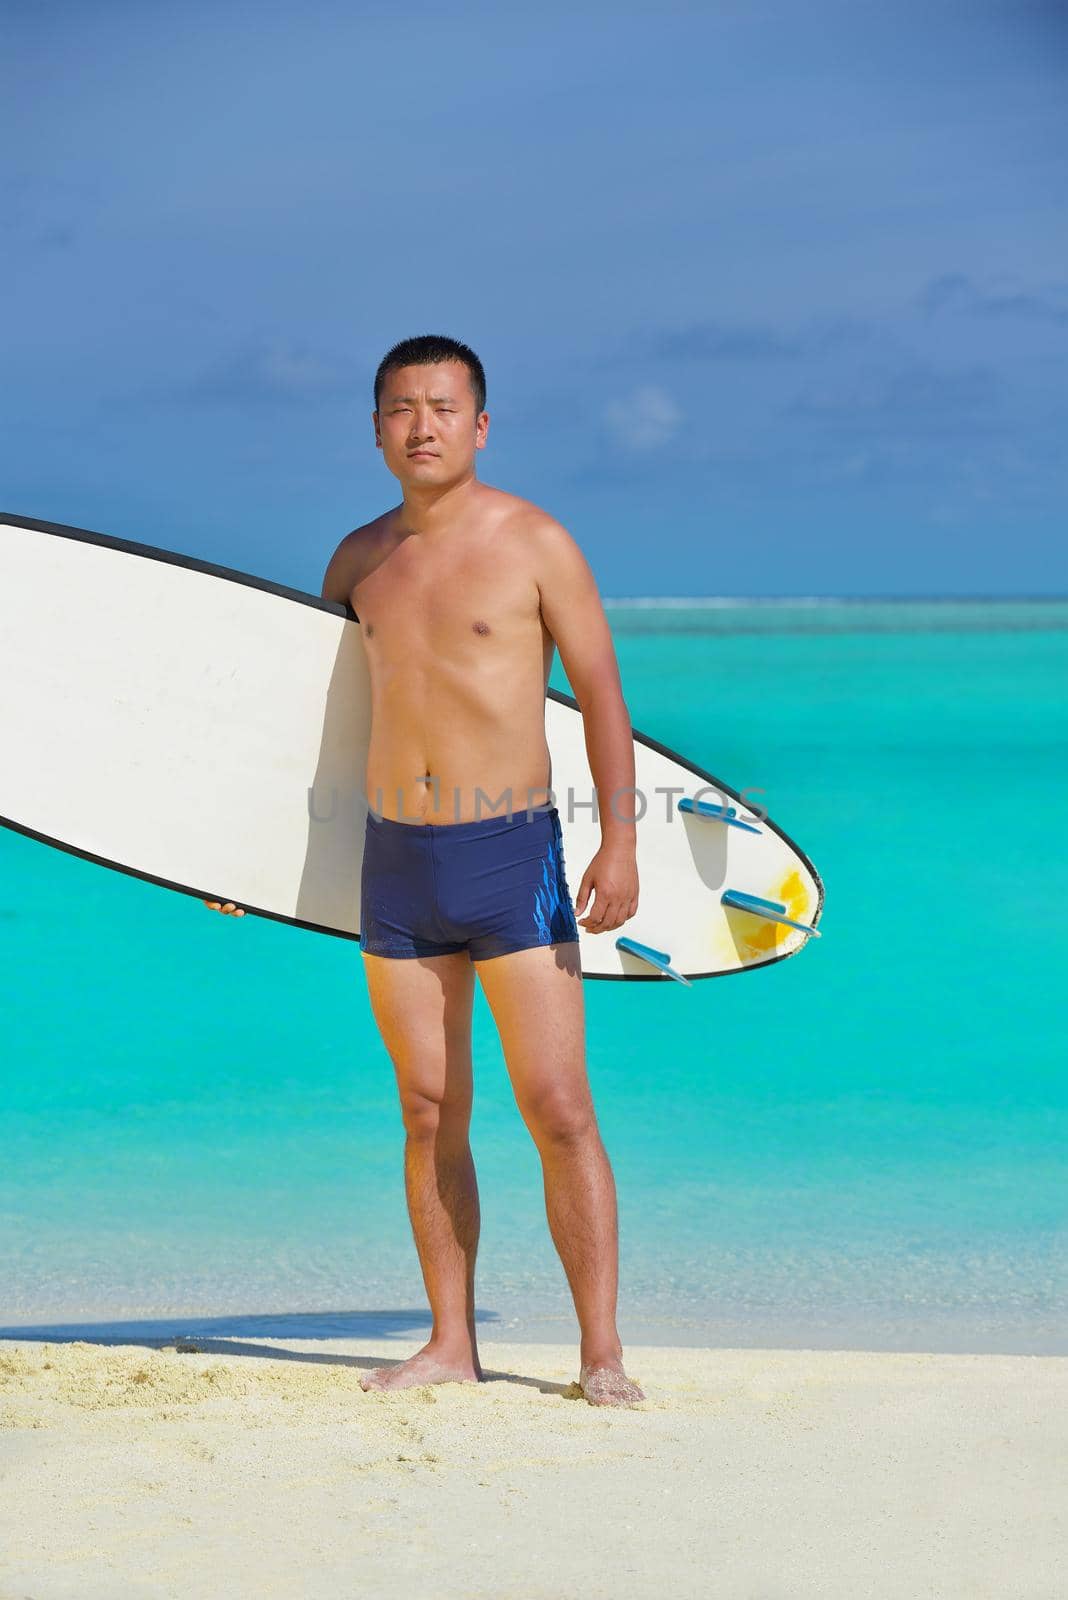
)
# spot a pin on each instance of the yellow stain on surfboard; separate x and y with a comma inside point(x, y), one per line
point(766, 936)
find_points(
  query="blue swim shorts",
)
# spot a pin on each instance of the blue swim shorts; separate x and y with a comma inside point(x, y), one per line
point(489, 887)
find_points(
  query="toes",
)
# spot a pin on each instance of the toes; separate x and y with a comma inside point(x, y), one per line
point(615, 1399)
point(606, 1386)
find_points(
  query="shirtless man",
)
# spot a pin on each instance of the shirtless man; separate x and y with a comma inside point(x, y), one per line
point(462, 593)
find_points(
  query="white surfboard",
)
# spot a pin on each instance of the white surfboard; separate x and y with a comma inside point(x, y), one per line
point(207, 731)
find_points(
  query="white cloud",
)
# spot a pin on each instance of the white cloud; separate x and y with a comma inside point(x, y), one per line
point(270, 370)
point(644, 419)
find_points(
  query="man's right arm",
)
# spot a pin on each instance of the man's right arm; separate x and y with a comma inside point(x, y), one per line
point(339, 578)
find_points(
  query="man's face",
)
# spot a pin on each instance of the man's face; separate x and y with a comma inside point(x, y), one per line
point(426, 422)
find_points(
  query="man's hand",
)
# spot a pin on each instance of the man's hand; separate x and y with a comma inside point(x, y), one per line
point(229, 909)
point(613, 876)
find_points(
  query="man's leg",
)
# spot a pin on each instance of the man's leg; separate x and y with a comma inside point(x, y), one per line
point(423, 1010)
point(538, 1006)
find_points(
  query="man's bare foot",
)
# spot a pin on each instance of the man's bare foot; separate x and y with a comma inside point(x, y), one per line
point(428, 1365)
point(604, 1383)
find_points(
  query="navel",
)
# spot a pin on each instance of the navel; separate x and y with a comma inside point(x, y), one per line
point(480, 626)
point(370, 630)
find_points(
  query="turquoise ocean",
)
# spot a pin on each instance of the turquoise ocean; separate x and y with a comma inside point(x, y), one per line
point(862, 1146)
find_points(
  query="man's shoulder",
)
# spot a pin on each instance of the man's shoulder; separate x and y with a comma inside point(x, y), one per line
point(360, 544)
point(348, 564)
point(368, 531)
point(532, 521)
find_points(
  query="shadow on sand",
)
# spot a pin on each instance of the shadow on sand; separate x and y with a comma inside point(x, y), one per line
point(235, 1335)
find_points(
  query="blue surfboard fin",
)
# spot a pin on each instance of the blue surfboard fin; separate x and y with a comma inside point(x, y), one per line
point(770, 910)
point(723, 813)
point(660, 959)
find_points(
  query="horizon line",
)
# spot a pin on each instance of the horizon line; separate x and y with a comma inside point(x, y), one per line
point(711, 601)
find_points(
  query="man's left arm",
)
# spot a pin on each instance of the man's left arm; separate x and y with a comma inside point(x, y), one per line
point(573, 613)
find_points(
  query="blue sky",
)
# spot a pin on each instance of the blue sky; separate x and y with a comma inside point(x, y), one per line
point(772, 298)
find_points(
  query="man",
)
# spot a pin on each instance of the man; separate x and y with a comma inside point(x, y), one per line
point(462, 592)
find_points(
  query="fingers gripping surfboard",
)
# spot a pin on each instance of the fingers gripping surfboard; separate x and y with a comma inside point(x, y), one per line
point(207, 731)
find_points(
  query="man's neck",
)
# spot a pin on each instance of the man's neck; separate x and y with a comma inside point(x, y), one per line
point(434, 510)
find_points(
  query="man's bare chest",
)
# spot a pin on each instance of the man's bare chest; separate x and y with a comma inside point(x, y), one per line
point(476, 601)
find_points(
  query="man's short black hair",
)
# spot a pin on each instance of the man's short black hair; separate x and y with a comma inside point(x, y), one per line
point(426, 351)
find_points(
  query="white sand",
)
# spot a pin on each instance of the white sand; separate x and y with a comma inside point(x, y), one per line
point(257, 1470)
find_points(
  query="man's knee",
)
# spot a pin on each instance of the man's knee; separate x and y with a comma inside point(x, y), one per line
point(428, 1117)
point(556, 1118)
